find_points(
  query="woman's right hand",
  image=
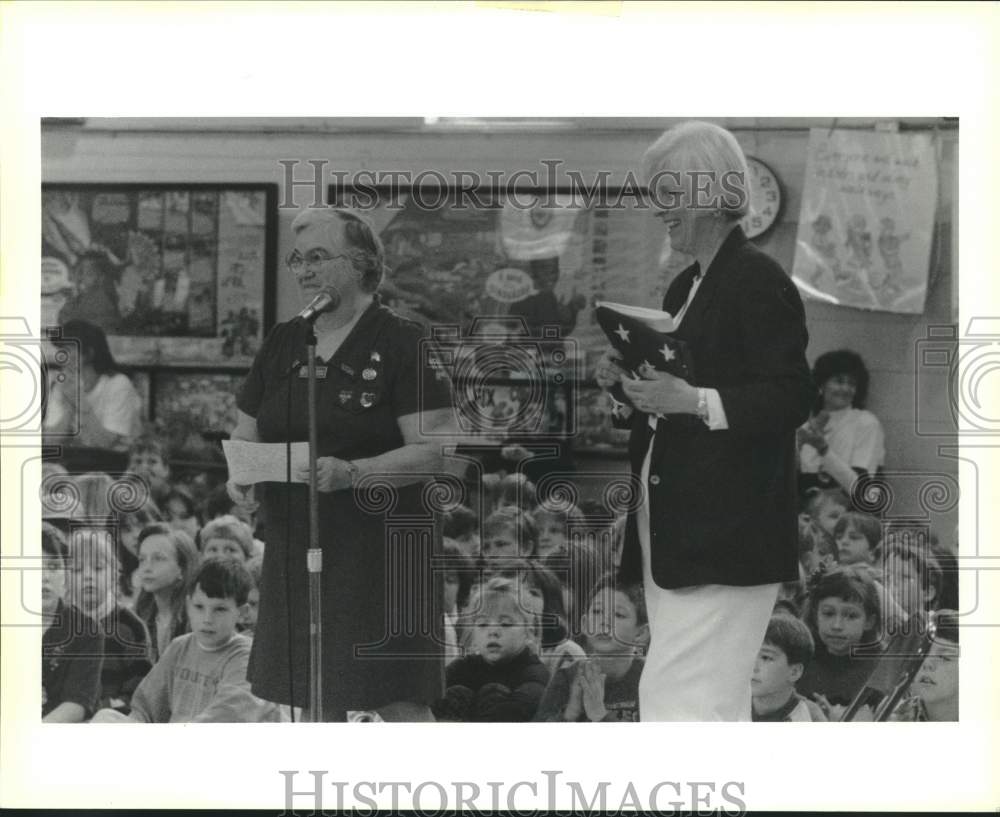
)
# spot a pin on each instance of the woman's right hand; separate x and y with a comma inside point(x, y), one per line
point(608, 372)
point(242, 495)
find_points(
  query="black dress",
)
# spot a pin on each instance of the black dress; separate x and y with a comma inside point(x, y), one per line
point(381, 638)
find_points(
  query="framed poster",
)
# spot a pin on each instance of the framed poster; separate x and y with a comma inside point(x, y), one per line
point(474, 257)
point(175, 274)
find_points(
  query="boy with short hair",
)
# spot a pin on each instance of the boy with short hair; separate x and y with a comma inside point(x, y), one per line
point(226, 537)
point(787, 648)
point(605, 685)
point(202, 676)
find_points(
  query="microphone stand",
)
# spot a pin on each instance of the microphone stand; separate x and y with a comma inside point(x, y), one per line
point(314, 555)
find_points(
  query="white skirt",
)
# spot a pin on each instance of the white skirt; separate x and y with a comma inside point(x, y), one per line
point(703, 642)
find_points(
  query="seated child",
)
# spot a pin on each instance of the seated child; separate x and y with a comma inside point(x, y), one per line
point(605, 685)
point(857, 536)
point(167, 560)
point(94, 573)
point(181, 511)
point(71, 651)
point(509, 532)
point(461, 524)
point(248, 622)
point(202, 676)
point(148, 461)
point(552, 526)
point(579, 568)
point(540, 592)
point(824, 506)
point(500, 678)
point(912, 575)
point(933, 694)
point(781, 660)
point(516, 490)
point(844, 615)
point(456, 580)
point(226, 537)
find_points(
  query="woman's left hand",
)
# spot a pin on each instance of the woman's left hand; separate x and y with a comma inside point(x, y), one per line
point(332, 474)
point(661, 393)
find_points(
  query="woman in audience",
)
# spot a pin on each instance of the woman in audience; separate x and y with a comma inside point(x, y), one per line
point(167, 560)
point(95, 402)
point(841, 440)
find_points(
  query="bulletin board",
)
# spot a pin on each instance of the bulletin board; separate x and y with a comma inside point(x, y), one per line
point(175, 274)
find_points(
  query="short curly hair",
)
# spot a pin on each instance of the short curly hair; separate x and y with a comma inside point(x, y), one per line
point(837, 362)
point(363, 244)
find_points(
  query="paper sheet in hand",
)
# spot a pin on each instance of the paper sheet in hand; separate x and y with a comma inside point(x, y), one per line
point(262, 462)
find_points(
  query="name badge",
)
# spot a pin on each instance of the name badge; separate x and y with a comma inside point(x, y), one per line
point(320, 372)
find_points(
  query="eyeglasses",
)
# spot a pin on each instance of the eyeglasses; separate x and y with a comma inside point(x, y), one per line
point(295, 261)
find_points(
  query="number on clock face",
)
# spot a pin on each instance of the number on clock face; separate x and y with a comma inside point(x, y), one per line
point(765, 199)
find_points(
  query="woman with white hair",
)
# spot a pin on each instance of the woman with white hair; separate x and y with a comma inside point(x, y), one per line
point(716, 533)
point(377, 413)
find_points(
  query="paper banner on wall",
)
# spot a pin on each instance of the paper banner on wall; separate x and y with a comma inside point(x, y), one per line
point(867, 219)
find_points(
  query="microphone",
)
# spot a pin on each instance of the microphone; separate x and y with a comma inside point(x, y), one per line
point(325, 301)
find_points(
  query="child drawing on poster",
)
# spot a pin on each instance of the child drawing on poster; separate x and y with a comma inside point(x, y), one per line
point(825, 244)
point(888, 247)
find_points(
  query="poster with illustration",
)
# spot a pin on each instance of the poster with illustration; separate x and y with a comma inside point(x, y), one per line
point(542, 258)
point(174, 274)
point(867, 219)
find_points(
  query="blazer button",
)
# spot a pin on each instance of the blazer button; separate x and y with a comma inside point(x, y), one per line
point(654, 480)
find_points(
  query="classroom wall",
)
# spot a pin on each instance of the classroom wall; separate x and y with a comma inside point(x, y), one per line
point(126, 153)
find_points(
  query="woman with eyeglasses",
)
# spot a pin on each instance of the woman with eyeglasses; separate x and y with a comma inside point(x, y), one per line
point(382, 409)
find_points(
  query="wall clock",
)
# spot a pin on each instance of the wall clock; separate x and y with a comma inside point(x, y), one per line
point(765, 199)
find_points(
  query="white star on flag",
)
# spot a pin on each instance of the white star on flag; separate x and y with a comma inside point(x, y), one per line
point(667, 352)
point(622, 332)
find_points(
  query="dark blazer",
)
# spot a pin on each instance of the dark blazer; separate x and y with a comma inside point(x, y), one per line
point(723, 503)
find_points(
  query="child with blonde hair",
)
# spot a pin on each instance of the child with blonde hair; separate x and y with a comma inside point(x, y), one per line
point(500, 678)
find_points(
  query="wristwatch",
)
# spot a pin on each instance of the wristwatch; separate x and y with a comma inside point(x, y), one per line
point(703, 405)
point(354, 472)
